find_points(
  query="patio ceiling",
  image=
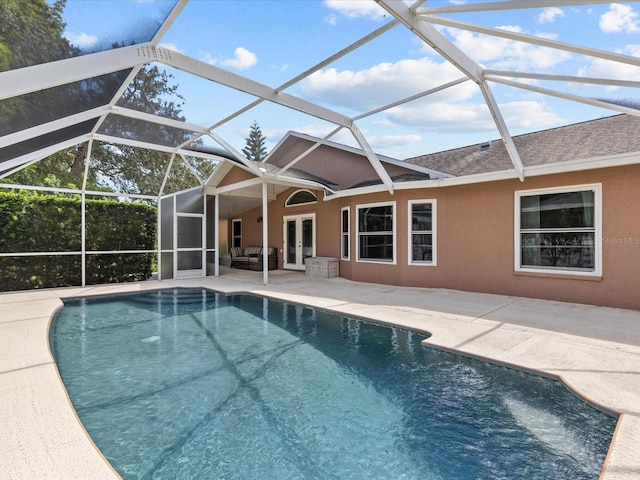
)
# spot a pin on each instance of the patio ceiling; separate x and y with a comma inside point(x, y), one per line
point(101, 117)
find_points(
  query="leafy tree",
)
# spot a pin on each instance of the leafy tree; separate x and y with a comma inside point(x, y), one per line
point(255, 149)
point(31, 32)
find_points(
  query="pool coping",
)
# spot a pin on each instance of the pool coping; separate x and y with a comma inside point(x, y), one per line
point(43, 438)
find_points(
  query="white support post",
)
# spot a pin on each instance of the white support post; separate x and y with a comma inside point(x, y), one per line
point(83, 220)
point(159, 237)
point(265, 235)
point(83, 251)
point(216, 244)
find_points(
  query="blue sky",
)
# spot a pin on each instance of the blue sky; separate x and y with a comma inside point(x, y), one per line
point(272, 41)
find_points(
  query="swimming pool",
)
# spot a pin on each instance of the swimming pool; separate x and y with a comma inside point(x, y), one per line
point(194, 384)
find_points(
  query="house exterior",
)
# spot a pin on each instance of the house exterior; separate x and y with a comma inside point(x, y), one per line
point(462, 219)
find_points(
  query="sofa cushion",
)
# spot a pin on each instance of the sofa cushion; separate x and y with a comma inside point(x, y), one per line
point(252, 250)
point(236, 251)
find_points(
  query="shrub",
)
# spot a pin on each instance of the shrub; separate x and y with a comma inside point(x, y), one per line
point(52, 223)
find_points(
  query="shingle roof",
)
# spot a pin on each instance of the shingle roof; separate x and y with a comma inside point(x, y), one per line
point(595, 138)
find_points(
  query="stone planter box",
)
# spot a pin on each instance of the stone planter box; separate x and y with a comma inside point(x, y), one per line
point(326, 267)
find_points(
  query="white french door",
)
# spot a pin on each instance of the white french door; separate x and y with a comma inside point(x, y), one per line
point(299, 233)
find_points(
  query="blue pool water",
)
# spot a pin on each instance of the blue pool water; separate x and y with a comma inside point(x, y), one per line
point(190, 384)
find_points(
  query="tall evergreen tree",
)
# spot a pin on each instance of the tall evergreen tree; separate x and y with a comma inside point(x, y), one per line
point(255, 149)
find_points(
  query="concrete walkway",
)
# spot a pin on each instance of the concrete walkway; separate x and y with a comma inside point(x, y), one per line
point(594, 351)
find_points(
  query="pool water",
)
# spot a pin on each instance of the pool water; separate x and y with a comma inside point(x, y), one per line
point(192, 384)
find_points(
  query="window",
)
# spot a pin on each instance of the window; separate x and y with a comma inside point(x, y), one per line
point(301, 197)
point(422, 238)
point(376, 232)
point(236, 233)
point(344, 233)
point(558, 230)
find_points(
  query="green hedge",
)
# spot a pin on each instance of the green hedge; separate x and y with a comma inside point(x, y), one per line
point(52, 223)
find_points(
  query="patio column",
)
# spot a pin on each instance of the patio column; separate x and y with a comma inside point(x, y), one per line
point(216, 240)
point(265, 236)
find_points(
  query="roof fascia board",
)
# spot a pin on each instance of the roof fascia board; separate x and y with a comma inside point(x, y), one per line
point(32, 157)
point(287, 182)
point(352, 192)
point(49, 127)
point(432, 37)
point(596, 163)
point(521, 37)
point(218, 174)
point(575, 98)
point(506, 5)
point(251, 182)
point(297, 182)
point(373, 158)
point(47, 75)
point(243, 84)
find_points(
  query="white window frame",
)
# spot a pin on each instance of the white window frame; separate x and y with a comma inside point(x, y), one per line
point(233, 236)
point(286, 203)
point(393, 232)
point(597, 219)
point(344, 233)
point(412, 232)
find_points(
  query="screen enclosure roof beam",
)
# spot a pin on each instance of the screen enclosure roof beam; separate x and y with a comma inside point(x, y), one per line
point(432, 37)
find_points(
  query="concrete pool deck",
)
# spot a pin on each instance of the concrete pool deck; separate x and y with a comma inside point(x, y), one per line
point(594, 350)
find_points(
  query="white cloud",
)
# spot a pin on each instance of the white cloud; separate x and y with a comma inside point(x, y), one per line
point(619, 18)
point(504, 53)
point(387, 141)
point(242, 60)
point(381, 84)
point(331, 19)
point(529, 115)
point(549, 15)
point(81, 40)
point(356, 9)
point(466, 117)
point(601, 68)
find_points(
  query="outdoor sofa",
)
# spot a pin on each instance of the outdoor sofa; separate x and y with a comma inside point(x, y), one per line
point(250, 258)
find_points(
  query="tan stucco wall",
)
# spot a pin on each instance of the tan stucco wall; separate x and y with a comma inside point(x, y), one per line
point(475, 235)
point(236, 175)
